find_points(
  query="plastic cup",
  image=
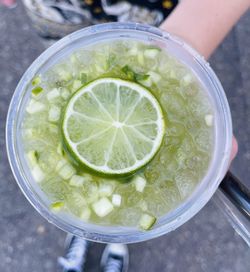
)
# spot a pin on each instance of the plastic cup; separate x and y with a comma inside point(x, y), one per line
point(175, 47)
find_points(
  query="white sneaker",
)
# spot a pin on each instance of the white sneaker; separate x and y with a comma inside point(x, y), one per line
point(76, 250)
point(115, 258)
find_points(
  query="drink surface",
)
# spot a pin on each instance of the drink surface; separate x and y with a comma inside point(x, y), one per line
point(158, 187)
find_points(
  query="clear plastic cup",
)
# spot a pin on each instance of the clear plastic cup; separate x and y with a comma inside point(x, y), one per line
point(175, 47)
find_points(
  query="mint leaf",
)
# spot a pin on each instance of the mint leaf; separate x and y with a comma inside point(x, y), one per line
point(133, 75)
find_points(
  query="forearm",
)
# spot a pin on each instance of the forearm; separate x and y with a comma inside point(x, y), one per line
point(205, 23)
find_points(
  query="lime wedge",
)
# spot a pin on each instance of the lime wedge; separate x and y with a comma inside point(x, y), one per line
point(113, 127)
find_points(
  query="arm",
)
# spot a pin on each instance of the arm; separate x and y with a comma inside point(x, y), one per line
point(205, 23)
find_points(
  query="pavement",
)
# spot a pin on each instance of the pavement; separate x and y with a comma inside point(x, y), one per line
point(206, 243)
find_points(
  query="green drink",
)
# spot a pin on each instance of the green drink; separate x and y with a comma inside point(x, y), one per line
point(172, 127)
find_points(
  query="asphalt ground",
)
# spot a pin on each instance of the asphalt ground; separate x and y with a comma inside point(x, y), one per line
point(206, 243)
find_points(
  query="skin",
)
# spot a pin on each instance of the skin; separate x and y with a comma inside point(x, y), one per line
point(8, 3)
point(204, 24)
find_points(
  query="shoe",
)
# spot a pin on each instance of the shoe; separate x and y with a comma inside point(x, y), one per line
point(76, 251)
point(115, 258)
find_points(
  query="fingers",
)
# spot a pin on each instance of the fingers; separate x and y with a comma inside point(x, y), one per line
point(8, 3)
point(234, 150)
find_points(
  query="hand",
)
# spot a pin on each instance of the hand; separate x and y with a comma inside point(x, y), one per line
point(234, 150)
point(8, 3)
point(204, 24)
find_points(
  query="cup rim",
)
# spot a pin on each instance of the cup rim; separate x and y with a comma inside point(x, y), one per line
point(93, 232)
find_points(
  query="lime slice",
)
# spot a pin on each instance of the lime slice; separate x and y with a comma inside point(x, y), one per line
point(112, 126)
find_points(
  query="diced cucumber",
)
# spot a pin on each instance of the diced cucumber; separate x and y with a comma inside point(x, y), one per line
point(37, 173)
point(85, 215)
point(133, 51)
point(154, 76)
point(28, 133)
point(36, 91)
point(187, 79)
point(53, 128)
point(139, 183)
point(111, 61)
point(53, 94)
point(83, 77)
point(35, 107)
point(87, 177)
point(143, 205)
point(64, 75)
point(36, 80)
point(91, 189)
point(116, 200)
point(152, 52)
point(99, 69)
point(66, 171)
point(76, 181)
point(93, 196)
point(65, 93)
point(32, 157)
point(54, 114)
point(60, 164)
point(140, 58)
point(102, 207)
point(73, 59)
point(209, 120)
point(76, 85)
point(77, 199)
point(147, 221)
point(172, 74)
point(57, 206)
point(60, 149)
point(105, 190)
